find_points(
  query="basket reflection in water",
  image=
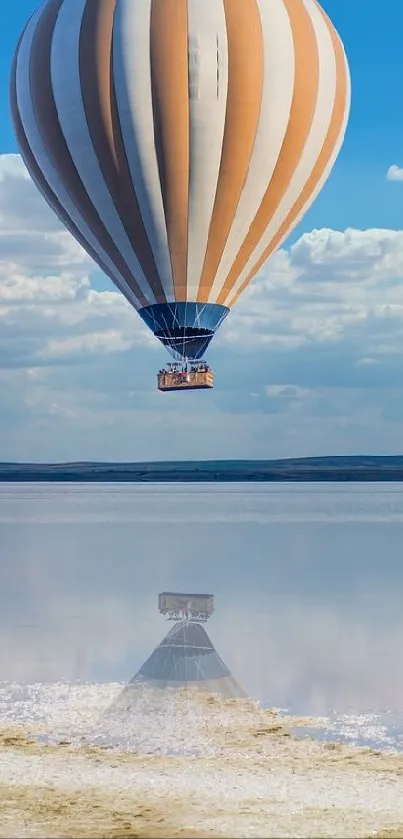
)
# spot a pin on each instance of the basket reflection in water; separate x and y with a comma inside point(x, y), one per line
point(186, 657)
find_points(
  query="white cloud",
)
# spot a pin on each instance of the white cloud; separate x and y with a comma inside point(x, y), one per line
point(395, 173)
point(324, 317)
point(330, 286)
point(95, 342)
point(11, 165)
point(48, 309)
point(286, 391)
point(26, 290)
point(365, 362)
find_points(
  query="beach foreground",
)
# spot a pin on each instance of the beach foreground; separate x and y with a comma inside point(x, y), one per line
point(182, 766)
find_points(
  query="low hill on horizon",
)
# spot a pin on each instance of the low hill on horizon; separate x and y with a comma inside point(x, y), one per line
point(328, 468)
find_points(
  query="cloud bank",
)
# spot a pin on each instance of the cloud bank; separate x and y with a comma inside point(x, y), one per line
point(309, 362)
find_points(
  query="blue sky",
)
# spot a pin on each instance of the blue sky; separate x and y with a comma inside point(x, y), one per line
point(375, 135)
point(310, 361)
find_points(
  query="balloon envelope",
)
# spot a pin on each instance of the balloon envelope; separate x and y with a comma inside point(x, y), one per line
point(180, 141)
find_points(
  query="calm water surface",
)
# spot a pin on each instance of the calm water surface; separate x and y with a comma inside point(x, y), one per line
point(308, 584)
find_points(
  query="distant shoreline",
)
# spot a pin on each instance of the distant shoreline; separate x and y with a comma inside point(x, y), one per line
point(358, 468)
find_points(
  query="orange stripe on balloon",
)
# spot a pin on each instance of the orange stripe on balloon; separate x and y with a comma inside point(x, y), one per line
point(244, 98)
point(305, 96)
point(324, 158)
point(170, 92)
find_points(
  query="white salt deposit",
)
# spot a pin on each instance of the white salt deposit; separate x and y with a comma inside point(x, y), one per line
point(75, 762)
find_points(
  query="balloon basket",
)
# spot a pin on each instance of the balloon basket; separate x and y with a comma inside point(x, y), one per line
point(192, 377)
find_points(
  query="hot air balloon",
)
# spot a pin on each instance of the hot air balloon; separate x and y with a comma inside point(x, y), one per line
point(180, 142)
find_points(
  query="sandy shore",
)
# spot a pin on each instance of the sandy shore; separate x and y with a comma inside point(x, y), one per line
point(257, 780)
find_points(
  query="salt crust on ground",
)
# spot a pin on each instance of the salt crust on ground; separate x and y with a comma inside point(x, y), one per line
point(74, 763)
